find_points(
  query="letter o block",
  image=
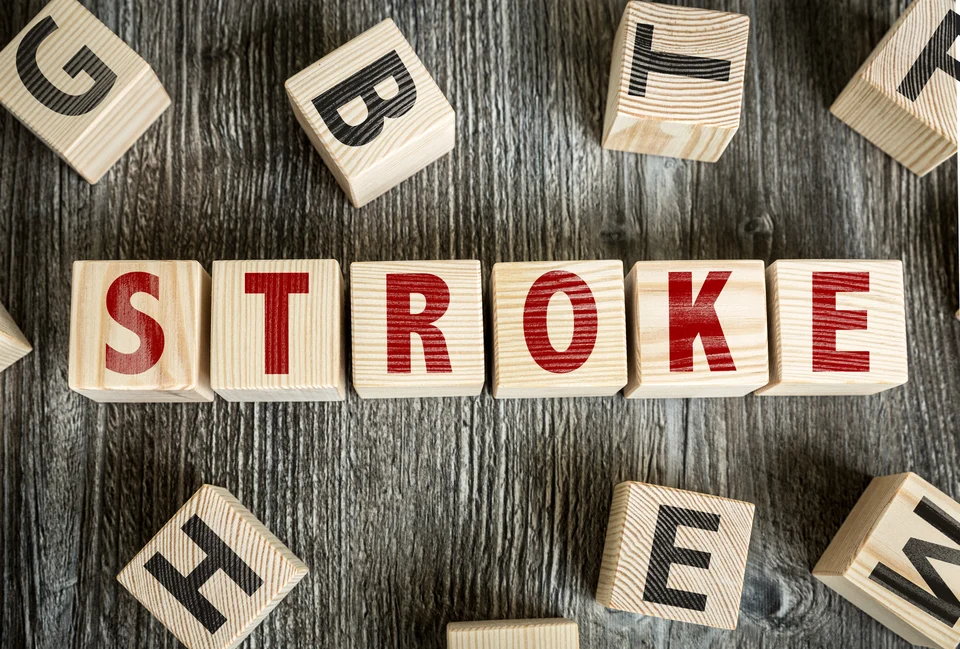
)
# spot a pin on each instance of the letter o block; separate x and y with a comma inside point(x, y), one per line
point(373, 112)
point(139, 331)
point(514, 634)
point(675, 554)
point(80, 88)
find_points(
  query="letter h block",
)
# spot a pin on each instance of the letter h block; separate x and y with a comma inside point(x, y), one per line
point(373, 112)
point(90, 119)
point(897, 558)
point(557, 633)
point(213, 573)
point(675, 554)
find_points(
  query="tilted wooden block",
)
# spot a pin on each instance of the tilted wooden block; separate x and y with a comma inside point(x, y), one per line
point(837, 327)
point(213, 573)
point(13, 344)
point(514, 634)
point(277, 331)
point(140, 331)
point(559, 329)
point(89, 119)
point(373, 112)
point(676, 81)
point(896, 558)
point(675, 554)
point(417, 329)
point(904, 97)
point(696, 329)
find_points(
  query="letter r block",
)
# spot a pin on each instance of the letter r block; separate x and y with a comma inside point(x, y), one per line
point(80, 88)
point(675, 554)
point(514, 634)
point(373, 112)
point(139, 331)
point(897, 558)
point(213, 573)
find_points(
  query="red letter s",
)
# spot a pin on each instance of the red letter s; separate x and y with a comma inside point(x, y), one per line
point(147, 329)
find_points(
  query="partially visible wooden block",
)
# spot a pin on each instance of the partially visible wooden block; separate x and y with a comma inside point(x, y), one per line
point(676, 81)
point(897, 558)
point(514, 634)
point(417, 329)
point(904, 97)
point(13, 344)
point(140, 331)
point(559, 329)
point(696, 329)
point(675, 554)
point(837, 327)
point(90, 119)
point(373, 112)
point(213, 573)
point(277, 331)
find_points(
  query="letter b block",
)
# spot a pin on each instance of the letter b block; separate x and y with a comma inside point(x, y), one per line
point(514, 634)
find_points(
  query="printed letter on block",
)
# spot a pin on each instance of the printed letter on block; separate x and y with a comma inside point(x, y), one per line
point(514, 634)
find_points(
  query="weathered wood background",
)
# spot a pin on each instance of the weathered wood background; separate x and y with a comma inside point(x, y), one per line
point(418, 513)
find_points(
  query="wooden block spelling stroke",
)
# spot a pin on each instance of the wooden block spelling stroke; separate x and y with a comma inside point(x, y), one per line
point(696, 329)
point(675, 554)
point(897, 557)
point(13, 344)
point(277, 331)
point(837, 327)
point(139, 331)
point(417, 329)
point(676, 81)
point(514, 634)
point(79, 88)
point(373, 112)
point(559, 329)
point(213, 573)
point(904, 97)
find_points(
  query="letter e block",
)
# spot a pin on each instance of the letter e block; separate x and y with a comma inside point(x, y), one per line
point(80, 88)
point(373, 112)
point(675, 554)
point(676, 81)
point(13, 344)
point(213, 573)
point(514, 634)
point(897, 558)
point(417, 329)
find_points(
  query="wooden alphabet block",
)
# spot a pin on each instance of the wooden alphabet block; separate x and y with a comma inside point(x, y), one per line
point(696, 329)
point(373, 112)
point(676, 81)
point(90, 119)
point(904, 97)
point(559, 329)
point(13, 344)
point(277, 331)
point(514, 634)
point(896, 558)
point(675, 554)
point(213, 573)
point(139, 331)
point(417, 329)
point(837, 327)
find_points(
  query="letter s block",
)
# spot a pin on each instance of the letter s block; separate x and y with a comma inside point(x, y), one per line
point(213, 573)
point(558, 633)
point(80, 88)
point(373, 112)
point(897, 557)
point(139, 331)
point(675, 554)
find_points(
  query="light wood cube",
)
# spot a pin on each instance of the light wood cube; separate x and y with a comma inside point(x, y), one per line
point(79, 88)
point(904, 97)
point(13, 344)
point(675, 554)
point(837, 327)
point(140, 331)
point(514, 634)
point(417, 329)
point(696, 329)
point(676, 81)
point(559, 329)
point(373, 112)
point(897, 557)
point(277, 331)
point(213, 573)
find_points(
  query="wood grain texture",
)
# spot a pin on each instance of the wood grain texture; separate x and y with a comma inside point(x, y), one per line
point(510, 634)
point(13, 344)
point(413, 514)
